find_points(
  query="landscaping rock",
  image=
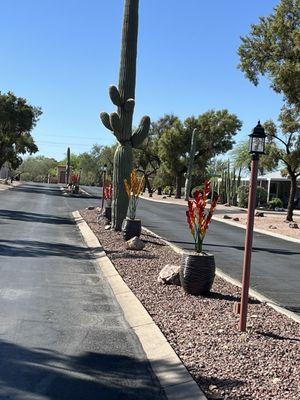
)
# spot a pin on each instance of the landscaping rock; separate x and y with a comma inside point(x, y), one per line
point(90, 208)
point(107, 227)
point(169, 275)
point(236, 219)
point(293, 225)
point(259, 214)
point(227, 217)
point(135, 244)
point(272, 227)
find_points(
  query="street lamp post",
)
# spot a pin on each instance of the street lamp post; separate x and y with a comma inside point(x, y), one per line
point(104, 169)
point(256, 147)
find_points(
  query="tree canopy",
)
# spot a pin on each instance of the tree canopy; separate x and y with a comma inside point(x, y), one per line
point(17, 119)
point(287, 138)
point(215, 131)
point(36, 169)
point(267, 162)
point(273, 49)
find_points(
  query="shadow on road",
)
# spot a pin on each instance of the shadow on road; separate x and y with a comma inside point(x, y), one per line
point(34, 248)
point(34, 217)
point(39, 189)
point(241, 248)
point(89, 375)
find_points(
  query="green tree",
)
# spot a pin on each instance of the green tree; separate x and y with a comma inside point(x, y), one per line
point(273, 49)
point(267, 162)
point(17, 119)
point(36, 169)
point(106, 157)
point(215, 131)
point(146, 159)
point(287, 137)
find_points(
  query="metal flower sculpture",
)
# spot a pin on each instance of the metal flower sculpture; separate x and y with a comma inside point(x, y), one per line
point(133, 191)
point(198, 219)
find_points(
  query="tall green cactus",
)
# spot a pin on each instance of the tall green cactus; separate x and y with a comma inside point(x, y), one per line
point(120, 123)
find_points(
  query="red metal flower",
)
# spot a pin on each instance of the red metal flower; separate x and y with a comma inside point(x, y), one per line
point(198, 219)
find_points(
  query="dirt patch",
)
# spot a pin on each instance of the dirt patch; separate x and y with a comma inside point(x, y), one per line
point(270, 222)
point(260, 364)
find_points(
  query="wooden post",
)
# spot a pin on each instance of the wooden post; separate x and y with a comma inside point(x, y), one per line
point(248, 244)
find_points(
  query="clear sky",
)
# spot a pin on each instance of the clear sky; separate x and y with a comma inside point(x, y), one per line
point(63, 54)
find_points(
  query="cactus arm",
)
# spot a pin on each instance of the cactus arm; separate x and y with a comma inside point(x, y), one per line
point(116, 125)
point(105, 120)
point(140, 134)
point(115, 96)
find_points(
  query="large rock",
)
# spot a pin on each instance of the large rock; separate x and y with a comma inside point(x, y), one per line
point(169, 275)
point(135, 244)
point(293, 225)
point(259, 214)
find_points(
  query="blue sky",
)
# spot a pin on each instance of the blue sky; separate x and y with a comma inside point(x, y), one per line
point(63, 54)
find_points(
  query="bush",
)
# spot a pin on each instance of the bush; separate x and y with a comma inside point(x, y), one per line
point(275, 203)
point(243, 194)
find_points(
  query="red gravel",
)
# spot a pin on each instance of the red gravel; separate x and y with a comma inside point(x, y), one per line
point(260, 364)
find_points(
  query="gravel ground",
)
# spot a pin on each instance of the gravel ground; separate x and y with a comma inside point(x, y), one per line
point(260, 364)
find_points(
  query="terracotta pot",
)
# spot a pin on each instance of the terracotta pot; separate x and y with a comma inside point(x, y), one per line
point(197, 273)
point(131, 228)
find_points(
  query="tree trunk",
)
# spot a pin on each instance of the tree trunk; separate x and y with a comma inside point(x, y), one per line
point(178, 187)
point(293, 190)
point(148, 186)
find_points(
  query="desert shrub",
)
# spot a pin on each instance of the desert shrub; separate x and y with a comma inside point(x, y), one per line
point(274, 203)
point(243, 194)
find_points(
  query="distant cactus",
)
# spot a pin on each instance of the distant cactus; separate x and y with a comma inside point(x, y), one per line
point(120, 123)
point(229, 185)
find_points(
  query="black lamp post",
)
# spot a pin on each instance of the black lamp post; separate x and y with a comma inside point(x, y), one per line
point(256, 147)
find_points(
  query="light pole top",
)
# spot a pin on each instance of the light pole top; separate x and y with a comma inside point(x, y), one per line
point(257, 140)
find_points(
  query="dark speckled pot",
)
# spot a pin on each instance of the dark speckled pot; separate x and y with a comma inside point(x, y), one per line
point(197, 273)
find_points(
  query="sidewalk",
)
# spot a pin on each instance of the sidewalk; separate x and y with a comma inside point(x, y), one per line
point(5, 186)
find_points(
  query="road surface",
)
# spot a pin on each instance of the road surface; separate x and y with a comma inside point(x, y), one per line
point(62, 334)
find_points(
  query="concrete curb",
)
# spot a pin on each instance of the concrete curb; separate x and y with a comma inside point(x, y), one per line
point(175, 380)
point(253, 293)
point(224, 221)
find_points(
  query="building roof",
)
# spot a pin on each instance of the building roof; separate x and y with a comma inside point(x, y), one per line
point(273, 176)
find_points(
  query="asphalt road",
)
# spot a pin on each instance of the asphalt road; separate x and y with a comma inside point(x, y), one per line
point(62, 334)
point(275, 270)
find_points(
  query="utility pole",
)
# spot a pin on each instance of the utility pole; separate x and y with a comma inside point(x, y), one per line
point(190, 166)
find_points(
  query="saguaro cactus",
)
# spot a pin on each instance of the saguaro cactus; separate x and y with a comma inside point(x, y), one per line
point(120, 122)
